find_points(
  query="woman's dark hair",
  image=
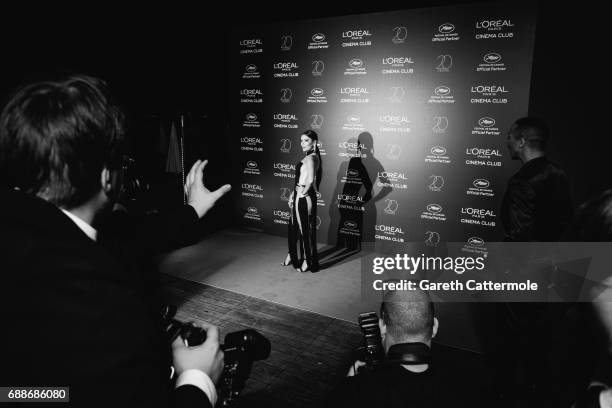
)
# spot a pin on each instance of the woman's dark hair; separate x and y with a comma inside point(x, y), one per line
point(314, 136)
point(56, 137)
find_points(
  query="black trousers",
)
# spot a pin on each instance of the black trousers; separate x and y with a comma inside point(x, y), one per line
point(302, 232)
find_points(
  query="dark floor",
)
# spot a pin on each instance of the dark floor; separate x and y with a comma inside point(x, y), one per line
point(310, 354)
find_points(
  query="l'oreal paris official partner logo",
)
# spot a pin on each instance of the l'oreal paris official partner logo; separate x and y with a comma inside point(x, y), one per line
point(251, 144)
point(284, 170)
point(494, 29)
point(395, 180)
point(389, 233)
point(251, 46)
point(394, 124)
point(354, 95)
point(251, 95)
point(478, 216)
point(281, 216)
point(252, 190)
point(489, 94)
point(350, 202)
point(397, 65)
point(286, 70)
point(285, 121)
point(351, 149)
point(356, 38)
point(479, 156)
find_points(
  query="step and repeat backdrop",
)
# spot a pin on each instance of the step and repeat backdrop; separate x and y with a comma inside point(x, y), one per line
point(411, 107)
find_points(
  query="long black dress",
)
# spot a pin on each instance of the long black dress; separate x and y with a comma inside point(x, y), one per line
point(303, 226)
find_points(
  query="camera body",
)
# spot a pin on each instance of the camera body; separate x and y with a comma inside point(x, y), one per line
point(373, 352)
point(240, 350)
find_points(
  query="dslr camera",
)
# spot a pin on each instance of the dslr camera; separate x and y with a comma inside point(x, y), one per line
point(373, 352)
point(240, 350)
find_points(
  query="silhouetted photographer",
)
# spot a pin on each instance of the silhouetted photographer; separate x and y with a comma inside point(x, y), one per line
point(77, 309)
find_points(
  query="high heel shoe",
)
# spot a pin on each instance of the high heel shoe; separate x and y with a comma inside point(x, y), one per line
point(287, 261)
point(302, 269)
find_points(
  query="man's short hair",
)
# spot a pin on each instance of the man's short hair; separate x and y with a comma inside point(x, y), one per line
point(534, 131)
point(56, 137)
point(408, 314)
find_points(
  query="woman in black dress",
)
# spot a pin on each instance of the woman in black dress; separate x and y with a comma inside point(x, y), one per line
point(303, 205)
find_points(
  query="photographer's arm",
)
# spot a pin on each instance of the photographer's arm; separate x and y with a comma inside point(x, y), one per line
point(199, 366)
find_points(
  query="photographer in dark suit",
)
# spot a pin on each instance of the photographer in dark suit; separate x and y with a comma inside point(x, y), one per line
point(406, 317)
point(76, 309)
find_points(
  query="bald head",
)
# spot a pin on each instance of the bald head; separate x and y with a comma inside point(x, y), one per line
point(408, 315)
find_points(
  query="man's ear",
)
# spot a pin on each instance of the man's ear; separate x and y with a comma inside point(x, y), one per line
point(105, 180)
point(434, 329)
point(382, 326)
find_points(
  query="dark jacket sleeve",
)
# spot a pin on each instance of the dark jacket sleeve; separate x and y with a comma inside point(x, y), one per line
point(152, 234)
point(190, 396)
point(520, 211)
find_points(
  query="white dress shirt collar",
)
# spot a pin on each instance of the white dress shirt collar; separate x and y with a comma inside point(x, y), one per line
point(85, 227)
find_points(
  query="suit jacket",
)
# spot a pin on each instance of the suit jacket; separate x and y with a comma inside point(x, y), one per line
point(80, 313)
point(394, 387)
point(537, 204)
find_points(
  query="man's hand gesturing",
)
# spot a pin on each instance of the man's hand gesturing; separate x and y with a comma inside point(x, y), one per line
point(198, 196)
